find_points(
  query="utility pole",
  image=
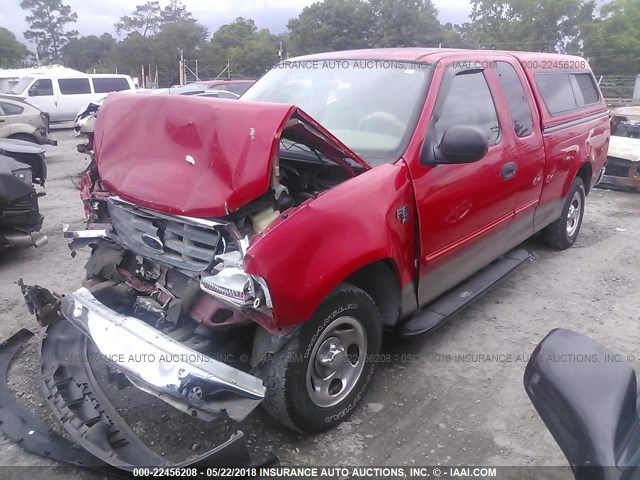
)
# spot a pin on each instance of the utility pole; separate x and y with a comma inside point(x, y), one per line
point(181, 67)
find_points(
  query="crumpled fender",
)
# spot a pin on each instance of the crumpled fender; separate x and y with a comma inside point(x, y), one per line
point(307, 252)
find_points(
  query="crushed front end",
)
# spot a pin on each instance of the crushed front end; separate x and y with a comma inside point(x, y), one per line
point(170, 224)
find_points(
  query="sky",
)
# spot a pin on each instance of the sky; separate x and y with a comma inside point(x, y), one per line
point(95, 17)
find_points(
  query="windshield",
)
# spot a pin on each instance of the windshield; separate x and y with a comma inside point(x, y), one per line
point(371, 106)
point(19, 87)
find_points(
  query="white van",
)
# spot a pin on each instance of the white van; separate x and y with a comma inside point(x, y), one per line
point(64, 95)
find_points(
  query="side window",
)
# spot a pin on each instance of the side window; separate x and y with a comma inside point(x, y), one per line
point(563, 92)
point(469, 102)
point(10, 108)
point(41, 88)
point(106, 85)
point(587, 88)
point(517, 102)
point(74, 86)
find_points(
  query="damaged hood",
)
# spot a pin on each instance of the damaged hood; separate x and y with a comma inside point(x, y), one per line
point(200, 157)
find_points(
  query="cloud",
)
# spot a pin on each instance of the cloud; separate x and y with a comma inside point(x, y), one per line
point(95, 18)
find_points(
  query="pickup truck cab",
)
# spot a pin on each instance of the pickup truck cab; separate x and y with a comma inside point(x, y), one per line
point(344, 194)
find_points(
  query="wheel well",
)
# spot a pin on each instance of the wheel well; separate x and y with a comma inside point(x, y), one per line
point(585, 174)
point(380, 281)
point(23, 136)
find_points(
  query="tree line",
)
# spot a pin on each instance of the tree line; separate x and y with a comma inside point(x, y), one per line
point(158, 36)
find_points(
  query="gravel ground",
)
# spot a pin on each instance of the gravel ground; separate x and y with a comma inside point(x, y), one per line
point(422, 407)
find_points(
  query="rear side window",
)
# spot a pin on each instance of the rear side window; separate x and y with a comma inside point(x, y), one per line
point(514, 94)
point(74, 86)
point(564, 92)
point(106, 85)
point(11, 109)
point(587, 88)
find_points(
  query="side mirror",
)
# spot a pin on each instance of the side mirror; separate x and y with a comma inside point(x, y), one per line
point(459, 144)
point(33, 91)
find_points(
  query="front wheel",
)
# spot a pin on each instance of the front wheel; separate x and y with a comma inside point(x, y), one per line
point(320, 376)
point(563, 233)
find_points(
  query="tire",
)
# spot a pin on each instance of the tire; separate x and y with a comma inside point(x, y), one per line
point(563, 233)
point(307, 395)
point(24, 136)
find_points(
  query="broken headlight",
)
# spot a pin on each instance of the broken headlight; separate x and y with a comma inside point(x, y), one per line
point(238, 288)
point(24, 174)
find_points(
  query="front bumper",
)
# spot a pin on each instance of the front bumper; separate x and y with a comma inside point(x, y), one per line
point(159, 365)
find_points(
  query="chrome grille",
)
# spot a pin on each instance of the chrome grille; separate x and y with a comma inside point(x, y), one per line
point(181, 244)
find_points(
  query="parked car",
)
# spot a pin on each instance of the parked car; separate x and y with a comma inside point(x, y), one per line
point(235, 87)
point(63, 95)
point(20, 218)
point(21, 121)
point(587, 396)
point(322, 207)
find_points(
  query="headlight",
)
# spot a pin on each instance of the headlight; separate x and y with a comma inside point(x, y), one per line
point(234, 286)
point(24, 174)
point(231, 284)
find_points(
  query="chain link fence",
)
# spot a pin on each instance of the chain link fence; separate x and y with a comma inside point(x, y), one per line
point(617, 89)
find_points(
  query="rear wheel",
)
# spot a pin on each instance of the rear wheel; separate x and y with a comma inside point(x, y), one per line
point(320, 376)
point(563, 233)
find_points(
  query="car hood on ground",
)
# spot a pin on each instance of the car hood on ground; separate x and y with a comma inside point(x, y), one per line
point(200, 157)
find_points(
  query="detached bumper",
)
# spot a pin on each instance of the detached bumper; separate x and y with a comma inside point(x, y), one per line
point(161, 366)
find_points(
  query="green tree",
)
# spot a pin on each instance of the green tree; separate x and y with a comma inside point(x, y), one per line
point(330, 25)
point(47, 22)
point(536, 25)
point(130, 54)
point(187, 36)
point(11, 50)
point(174, 12)
point(613, 42)
point(89, 52)
point(144, 21)
point(403, 23)
point(239, 46)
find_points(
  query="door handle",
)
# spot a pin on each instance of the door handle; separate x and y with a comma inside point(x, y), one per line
point(509, 170)
point(1, 121)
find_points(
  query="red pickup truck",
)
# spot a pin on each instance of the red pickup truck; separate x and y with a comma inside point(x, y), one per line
point(344, 194)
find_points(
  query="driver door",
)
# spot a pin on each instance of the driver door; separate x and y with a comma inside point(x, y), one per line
point(464, 210)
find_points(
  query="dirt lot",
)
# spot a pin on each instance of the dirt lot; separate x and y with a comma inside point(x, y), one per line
point(422, 408)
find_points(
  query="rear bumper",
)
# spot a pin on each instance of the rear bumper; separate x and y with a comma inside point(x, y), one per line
point(159, 365)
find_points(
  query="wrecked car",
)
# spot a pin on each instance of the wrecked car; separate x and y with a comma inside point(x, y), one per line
point(22, 121)
point(622, 171)
point(252, 251)
point(20, 218)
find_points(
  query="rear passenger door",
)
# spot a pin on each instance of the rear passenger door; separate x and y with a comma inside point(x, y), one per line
point(75, 94)
point(523, 145)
